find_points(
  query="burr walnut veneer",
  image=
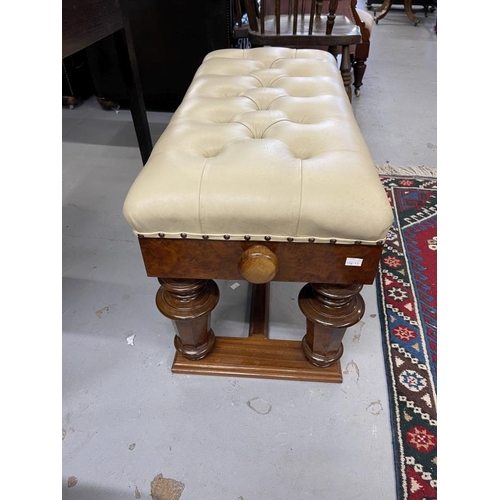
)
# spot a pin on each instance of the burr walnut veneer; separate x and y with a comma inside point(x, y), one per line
point(262, 175)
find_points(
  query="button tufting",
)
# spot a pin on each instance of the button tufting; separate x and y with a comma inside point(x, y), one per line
point(282, 141)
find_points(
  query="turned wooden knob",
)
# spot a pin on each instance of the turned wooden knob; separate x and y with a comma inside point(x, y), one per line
point(258, 264)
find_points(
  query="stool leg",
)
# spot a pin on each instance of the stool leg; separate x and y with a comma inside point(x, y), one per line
point(188, 303)
point(329, 310)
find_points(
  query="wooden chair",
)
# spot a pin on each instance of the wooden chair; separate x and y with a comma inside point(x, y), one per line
point(302, 24)
point(359, 52)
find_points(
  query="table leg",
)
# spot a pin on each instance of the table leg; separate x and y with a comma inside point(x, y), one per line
point(385, 6)
point(409, 12)
point(382, 11)
point(130, 73)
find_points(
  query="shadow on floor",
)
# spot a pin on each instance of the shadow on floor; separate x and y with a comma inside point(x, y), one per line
point(121, 133)
point(89, 492)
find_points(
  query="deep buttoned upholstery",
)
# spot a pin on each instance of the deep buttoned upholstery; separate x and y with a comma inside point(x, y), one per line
point(264, 146)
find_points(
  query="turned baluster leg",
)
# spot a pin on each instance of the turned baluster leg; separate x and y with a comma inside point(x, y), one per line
point(359, 68)
point(188, 303)
point(359, 65)
point(329, 310)
point(345, 70)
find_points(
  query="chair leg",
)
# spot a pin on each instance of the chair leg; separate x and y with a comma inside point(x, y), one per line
point(345, 70)
point(188, 303)
point(359, 64)
point(359, 68)
point(329, 311)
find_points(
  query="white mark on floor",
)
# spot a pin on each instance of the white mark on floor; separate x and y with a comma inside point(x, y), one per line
point(356, 336)
point(374, 436)
point(130, 339)
point(102, 312)
point(374, 407)
point(352, 369)
point(235, 285)
point(260, 406)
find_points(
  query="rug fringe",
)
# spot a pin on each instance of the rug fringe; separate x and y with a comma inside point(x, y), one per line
point(421, 170)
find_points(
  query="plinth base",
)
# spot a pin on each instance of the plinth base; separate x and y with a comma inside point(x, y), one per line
point(259, 357)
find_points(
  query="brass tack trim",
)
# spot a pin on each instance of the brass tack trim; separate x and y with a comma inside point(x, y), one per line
point(247, 237)
point(161, 235)
point(183, 235)
point(267, 238)
point(333, 241)
point(290, 239)
point(226, 236)
point(140, 236)
point(312, 240)
point(205, 236)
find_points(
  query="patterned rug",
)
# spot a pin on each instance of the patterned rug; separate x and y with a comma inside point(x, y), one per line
point(406, 287)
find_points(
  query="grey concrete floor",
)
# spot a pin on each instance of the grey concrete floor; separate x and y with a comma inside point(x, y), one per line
point(126, 418)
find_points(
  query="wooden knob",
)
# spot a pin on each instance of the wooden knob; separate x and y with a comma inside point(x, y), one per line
point(258, 264)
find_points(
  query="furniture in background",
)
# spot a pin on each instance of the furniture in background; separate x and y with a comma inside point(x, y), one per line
point(77, 82)
point(428, 5)
point(303, 26)
point(358, 52)
point(262, 175)
point(86, 22)
point(171, 38)
point(386, 5)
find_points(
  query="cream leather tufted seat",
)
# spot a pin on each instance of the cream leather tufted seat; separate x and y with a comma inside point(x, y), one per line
point(264, 147)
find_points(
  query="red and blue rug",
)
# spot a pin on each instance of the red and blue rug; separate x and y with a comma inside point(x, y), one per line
point(406, 286)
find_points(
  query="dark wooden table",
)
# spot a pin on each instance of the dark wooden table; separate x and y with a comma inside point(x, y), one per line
point(85, 22)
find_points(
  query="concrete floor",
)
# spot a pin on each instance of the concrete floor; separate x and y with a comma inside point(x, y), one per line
point(127, 419)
